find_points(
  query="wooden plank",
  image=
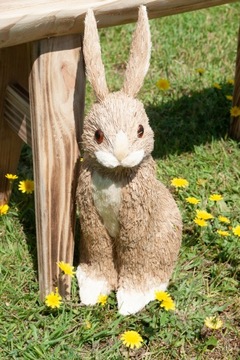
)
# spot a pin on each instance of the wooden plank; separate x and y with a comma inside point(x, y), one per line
point(13, 68)
point(235, 122)
point(17, 112)
point(26, 20)
point(57, 91)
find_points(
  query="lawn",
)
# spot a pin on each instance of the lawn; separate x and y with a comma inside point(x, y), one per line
point(196, 53)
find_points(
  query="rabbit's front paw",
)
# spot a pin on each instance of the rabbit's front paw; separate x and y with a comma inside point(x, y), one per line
point(131, 301)
point(90, 288)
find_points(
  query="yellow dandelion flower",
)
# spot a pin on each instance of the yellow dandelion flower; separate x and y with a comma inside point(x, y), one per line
point(53, 300)
point(4, 209)
point(236, 230)
point(161, 295)
point(132, 339)
point(88, 325)
point(235, 111)
point(229, 97)
point(102, 299)
point(217, 86)
point(66, 268)
point(215, 197)
point(179, 182)
point(200, 222)
point(168, 304)
point(230, 81)
point(11, 177)
point(192, 200)
point(26, 186)
point(213, 322)
point(200, 71)
point(166, 301)
point(163, 84)
point(223, 233)
point(224, 219)
point(204, 215)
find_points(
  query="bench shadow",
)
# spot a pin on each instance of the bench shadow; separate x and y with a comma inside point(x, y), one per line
point(25, 204)
point(192, 120)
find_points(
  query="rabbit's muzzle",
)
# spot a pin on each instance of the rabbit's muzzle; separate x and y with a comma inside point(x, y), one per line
point(121, 146)
point(122, 155)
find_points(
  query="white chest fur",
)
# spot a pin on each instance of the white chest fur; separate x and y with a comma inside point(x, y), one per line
point(107, 199)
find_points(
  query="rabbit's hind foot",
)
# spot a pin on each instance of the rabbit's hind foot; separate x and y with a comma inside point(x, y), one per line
point(131, 301)
point(90, 288)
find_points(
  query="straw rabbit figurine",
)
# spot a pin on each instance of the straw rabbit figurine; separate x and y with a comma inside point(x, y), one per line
point(130, 224)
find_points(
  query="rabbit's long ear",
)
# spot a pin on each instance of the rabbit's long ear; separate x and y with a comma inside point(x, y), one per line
point(140, 51)
point(92, 56)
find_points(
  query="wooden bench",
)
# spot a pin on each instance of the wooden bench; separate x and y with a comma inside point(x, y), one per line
point(42, 90)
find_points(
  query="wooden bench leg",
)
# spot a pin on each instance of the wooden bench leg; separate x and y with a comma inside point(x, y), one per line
point(13, 67)
point(56, 92)
point(235, 122)
point(10, 149)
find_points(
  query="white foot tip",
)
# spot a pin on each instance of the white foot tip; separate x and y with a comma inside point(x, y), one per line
point(131, 301)
point(91, 288)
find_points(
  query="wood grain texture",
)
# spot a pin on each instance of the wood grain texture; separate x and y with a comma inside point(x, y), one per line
point(24, 20)
point(17, 112)
point(57, 91)
point(13, 68)
point(235, 122)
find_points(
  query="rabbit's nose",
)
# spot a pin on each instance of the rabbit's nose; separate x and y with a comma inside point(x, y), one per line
point(121, 146)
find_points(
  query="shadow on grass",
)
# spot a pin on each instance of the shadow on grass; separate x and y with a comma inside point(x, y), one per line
point(193, 119)
point(24, 203)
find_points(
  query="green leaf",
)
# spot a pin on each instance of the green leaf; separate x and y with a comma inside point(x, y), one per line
point(211, 342)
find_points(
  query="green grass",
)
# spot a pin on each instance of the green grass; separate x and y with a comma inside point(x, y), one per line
point(190, 123)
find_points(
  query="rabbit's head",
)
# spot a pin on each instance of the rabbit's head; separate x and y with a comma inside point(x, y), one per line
point(116, 131)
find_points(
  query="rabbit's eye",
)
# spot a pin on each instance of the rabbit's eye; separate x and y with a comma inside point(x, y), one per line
point(99, 136)
point(140, 131)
